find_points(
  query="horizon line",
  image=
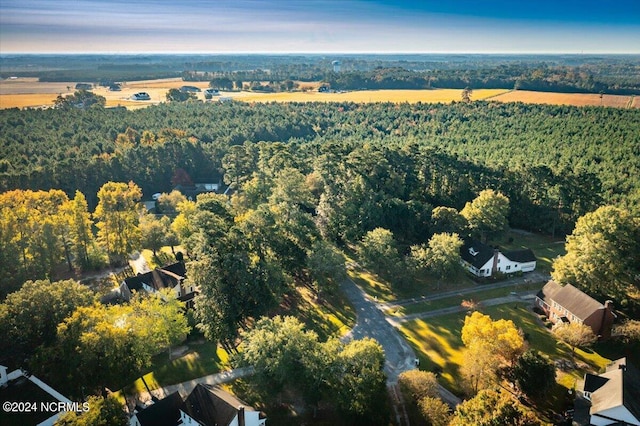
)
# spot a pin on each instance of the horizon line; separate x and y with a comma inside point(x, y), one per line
point(275, 52)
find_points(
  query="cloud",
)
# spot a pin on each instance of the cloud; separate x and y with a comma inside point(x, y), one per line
point(296, 25)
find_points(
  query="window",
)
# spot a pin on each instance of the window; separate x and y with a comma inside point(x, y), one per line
point(482, 271)
point(508, 267)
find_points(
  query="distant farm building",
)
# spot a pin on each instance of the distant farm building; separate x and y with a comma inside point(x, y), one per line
point(209, 93)
point(84, 86)
point(190, 89)
point(336, 66)
point(140, 96)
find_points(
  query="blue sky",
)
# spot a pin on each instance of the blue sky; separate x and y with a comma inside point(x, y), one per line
point(227, 26)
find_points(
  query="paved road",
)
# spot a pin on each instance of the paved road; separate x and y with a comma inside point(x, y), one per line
point(371, 322)
point(531, 277)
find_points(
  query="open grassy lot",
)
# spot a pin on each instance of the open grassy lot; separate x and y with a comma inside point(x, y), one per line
point(439, 346)
point(457, 300)
point(330, 315)
point(544, 247)
point(200, 359)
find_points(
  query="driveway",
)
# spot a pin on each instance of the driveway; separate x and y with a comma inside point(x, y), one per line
point(531, 277)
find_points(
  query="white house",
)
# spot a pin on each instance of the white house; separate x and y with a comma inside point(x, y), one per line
point(614, 395)
point(206, 405)
point(484, 261)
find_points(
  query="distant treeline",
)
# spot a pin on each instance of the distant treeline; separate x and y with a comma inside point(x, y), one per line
point(542, 79)
point(611, 74)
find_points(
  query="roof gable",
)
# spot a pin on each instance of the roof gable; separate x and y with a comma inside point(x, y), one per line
point(621, 388)
point(166, 277)
point(212, 405)
point(165, 412)
point(476, 253)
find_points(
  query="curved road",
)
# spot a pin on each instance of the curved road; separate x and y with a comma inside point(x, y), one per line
point(371, 322)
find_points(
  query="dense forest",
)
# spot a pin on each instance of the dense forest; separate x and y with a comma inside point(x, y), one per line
point(529, 151)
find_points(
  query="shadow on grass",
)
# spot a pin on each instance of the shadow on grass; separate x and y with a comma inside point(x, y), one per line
point(331, 315)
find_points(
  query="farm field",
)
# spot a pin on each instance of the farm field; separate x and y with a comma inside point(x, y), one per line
point(29, 92)
point(575, 99)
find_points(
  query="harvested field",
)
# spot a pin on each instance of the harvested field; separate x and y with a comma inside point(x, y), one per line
point(29, 92)
point(365, 96)
point(575, 99)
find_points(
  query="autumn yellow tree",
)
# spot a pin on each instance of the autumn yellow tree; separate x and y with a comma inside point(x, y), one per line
point(490, 346)
point(117, 216)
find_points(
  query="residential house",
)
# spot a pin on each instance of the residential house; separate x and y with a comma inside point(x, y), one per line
point(171, 276)
point(25, 389)
point(568, 304)
point(206, 405)
point(614, 395)
point(168, 411)
point(212, 405)
point(484, 261)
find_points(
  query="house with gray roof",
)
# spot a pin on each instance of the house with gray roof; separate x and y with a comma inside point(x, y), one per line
point(565, 303)
point(614, 395)
point(206, 405)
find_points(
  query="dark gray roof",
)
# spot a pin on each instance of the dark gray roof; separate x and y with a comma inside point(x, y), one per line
point(476, 253)
point(211, 405)
point(166, 277)
point(573, 300)
point(165, 412)
point(592, 382)
point(521, 256)
point(622, 387)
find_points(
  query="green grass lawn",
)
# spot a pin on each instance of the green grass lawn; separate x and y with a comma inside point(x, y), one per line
point(385, 291)
point(457, 300)
point(203, 358)
point(331, 315)
point(544, 247)
point(439, 345)
point(164, 256)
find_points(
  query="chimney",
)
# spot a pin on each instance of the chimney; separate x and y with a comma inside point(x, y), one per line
point(241, 420)
point(496, 253)
point(607, 320)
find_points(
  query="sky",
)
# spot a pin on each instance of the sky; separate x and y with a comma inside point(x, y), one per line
point(320, 26)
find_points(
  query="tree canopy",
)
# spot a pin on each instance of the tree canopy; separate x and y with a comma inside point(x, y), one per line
point(603, 253)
